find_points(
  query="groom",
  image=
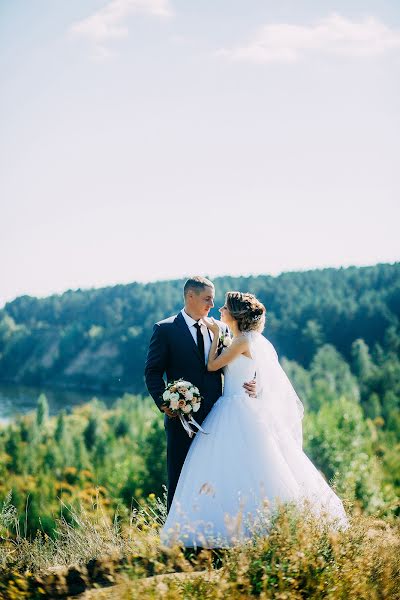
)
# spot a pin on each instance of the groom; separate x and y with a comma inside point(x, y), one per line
point(179, 348)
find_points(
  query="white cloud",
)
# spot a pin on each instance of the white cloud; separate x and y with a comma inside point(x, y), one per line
point(108, 23)
point(283, 42)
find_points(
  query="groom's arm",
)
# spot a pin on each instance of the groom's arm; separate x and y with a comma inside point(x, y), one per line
point(156, 363)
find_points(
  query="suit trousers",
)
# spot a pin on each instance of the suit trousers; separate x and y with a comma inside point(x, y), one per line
point(178, 444)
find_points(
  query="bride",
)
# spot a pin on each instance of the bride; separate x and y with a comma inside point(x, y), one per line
point(252, 456)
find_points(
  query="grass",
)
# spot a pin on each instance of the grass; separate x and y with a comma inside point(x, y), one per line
point(300, 558)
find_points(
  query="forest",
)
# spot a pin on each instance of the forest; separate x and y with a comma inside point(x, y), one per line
point(97, 339)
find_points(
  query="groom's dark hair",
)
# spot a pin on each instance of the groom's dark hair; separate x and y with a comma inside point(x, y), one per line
point(197, 283)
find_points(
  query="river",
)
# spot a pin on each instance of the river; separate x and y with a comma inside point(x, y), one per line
point(17, 399)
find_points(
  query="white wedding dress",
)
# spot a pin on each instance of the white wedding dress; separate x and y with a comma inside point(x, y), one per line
point(251, 458)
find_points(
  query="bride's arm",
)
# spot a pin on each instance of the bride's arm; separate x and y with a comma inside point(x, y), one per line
point(238, 346)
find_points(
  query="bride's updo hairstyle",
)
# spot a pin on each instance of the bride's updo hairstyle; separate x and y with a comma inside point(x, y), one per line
point(246, 310)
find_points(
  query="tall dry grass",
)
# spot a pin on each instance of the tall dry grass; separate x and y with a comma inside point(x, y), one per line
point(301, 557)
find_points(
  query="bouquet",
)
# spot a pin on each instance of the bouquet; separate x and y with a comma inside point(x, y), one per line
point(183, 398)
point(224, 341)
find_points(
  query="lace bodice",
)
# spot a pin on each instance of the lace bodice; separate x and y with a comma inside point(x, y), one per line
point(236, 373)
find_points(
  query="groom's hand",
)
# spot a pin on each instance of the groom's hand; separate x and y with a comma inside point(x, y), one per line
point(251, 388)
point(169, 412)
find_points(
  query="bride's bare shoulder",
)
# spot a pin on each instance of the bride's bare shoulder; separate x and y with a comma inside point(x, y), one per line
point(241, 341)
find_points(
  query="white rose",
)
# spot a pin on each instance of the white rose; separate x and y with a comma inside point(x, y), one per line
point(173, 404)
point(189, 395)
point(186, 409)
point(196, 406)
point(166, 395)
point(227, 341)
point(174, 396)
point(185, 384)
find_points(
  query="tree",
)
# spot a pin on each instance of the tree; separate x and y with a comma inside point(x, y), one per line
point(330, 374)
point(92, 431)
point(60, 427)
point(339, 441)
point(362, 363)
point(42, 412)
point(313, 338)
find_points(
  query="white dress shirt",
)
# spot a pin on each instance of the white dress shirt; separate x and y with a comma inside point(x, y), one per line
point(204, 330)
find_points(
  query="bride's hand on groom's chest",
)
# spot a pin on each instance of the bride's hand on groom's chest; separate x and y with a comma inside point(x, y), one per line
point(212, 325)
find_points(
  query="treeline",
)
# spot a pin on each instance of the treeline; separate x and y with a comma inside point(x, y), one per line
point(111, 459)
point(97, 339)
point(91, 458)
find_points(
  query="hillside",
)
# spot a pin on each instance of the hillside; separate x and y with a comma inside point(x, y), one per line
point(98, 338)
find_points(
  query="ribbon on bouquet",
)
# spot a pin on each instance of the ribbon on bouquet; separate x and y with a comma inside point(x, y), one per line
point(187, 425)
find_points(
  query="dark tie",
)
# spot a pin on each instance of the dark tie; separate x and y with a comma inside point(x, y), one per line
point(200, 341)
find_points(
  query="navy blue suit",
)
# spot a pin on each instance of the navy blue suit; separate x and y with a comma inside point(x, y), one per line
point(174, 352)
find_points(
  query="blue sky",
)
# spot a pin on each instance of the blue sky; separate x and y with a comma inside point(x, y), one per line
point(149, 139)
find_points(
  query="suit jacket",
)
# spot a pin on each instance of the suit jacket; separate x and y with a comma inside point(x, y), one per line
point(174, 352)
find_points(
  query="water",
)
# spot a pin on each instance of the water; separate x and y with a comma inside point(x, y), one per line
point(17, 399)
